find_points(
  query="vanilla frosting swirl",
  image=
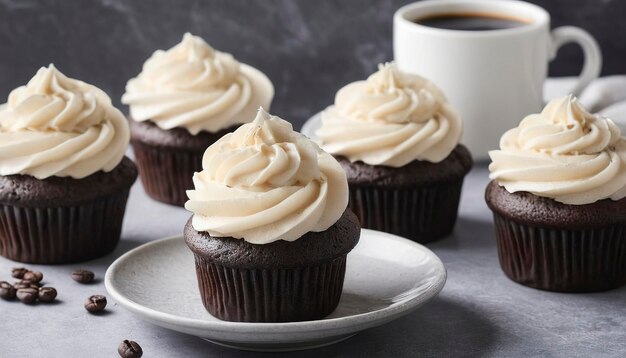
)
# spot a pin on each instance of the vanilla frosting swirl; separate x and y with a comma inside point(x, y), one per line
point(564, 153)
point(58, 126)
point(392, 119)
point(196, 87)
point(264, 182)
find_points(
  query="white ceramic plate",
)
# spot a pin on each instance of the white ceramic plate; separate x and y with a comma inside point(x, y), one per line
point(387, 277)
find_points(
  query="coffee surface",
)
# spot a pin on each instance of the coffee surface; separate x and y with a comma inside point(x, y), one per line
point(471, 22)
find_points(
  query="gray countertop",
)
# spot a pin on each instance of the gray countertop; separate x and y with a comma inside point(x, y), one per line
point(479, 312)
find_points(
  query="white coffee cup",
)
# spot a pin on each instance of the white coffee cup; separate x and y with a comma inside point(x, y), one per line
point(494, 78)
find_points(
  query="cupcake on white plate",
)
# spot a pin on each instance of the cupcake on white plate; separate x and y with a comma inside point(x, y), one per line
point(270, 229)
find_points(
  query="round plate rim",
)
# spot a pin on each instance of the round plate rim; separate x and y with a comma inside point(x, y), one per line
point(362, 319)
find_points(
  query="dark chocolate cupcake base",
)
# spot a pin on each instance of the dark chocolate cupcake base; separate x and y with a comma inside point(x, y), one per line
point(418, 201)
point(62, 220)
point(276, 282)
point(167, 159)
point(270, 295)
point(557, 247)
point(62, 235)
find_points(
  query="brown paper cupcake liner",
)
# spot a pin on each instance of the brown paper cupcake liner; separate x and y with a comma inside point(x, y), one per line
point(64, 234)
point(166, 174)
point(270, 295)
point(563, 260)
point(422, 214)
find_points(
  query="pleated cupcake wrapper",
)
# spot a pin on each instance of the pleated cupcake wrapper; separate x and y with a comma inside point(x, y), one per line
point(422, 214)
point(62, 235)
point(166, 174)
point(562, 260)
point(270, 295)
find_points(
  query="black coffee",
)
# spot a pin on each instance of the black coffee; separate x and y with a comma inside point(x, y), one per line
point(471, 22)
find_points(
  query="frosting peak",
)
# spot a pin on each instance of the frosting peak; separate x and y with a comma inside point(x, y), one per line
point(58, 126)
point(564, 153)
point(263, 155)
point(390, 119)
point(192, 48)
point(389, 96)
point(193, 86)
point(385, 79)
point(51, 101)
point(565, 127)
point(264, 182)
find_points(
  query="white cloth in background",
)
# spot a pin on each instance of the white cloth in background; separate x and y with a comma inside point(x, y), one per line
point(606, 95)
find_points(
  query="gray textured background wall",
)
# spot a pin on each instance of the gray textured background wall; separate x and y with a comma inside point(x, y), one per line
point(308, 48)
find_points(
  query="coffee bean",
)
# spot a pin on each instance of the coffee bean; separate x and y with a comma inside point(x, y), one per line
point(95, 303)
point(27, 295)
point(82, 276)
point(34, 276)
point(25, 284)
point(47, 294)
point(7, 291)
point(28, 282)
point(129, 349)
point(18, 272)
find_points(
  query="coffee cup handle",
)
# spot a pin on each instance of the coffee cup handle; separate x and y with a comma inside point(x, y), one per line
point(591, 50)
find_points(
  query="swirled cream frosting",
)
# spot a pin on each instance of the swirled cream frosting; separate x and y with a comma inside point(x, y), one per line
point(58, 126)
point(264, 182)
point(564, 153)
point(392, 119)
point(195, 87)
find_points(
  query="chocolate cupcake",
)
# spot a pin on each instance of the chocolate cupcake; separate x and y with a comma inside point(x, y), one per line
point(185, 99)
point(397, 139)
point(270, 231)
point(64, 180)
point(558, 197)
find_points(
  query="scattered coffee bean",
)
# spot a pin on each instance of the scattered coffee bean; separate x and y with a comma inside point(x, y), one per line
point(34, 276)
point(18, 272)
point(47, 294)
point(82, 276)
point(27, 295)
point(7, 291)
point(28, 282)
point(96, 303)
point(129, 349)
point(25, 284)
